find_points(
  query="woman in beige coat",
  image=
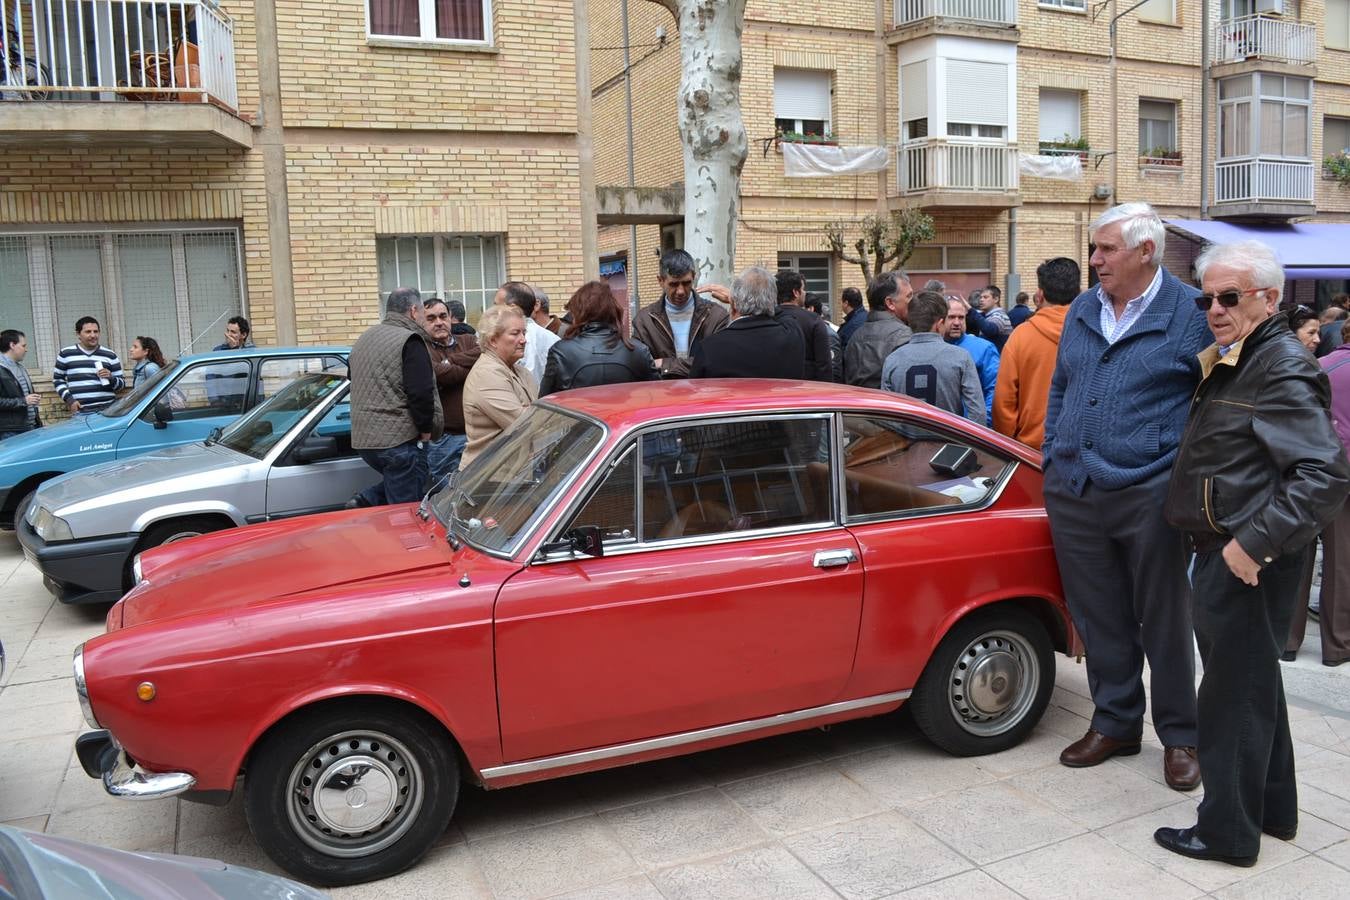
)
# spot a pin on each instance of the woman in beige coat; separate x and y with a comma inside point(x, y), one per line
point(497, 391)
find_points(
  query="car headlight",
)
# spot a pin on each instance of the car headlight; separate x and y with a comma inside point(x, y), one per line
point(136, 576)
point(51, 527)
point(82, 691)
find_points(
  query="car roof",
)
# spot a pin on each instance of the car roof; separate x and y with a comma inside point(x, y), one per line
point(255, 352)
point(624, 407)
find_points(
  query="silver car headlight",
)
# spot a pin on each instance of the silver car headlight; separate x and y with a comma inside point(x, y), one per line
point(82, 690)
point(136, 576)
point(51, 527)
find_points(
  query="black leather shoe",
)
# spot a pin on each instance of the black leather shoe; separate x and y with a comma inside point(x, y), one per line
point(356, 502)
point(1287, 833)
point(1289, 656)
point(1185, 842)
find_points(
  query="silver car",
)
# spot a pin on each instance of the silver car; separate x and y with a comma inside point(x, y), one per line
point(290, 456)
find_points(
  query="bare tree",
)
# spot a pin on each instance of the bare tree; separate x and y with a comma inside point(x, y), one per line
point(884, 241)
point(711, 129)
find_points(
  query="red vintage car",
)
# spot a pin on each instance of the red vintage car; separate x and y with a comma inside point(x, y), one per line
point(629, 573)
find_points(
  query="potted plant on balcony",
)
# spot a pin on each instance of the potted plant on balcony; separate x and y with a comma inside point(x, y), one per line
point(1161, 157)
point(1337, 167)
point(1066, 146)
point(797, 137)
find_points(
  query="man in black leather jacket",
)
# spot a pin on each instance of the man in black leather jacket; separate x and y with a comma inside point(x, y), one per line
point(1259, 473)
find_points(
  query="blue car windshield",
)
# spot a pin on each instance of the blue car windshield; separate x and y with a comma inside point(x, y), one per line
point(130, 400)
point(260, 430)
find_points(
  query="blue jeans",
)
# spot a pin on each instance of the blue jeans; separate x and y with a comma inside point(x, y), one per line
point(8, 434)
point(404, 468)
point(443, 457)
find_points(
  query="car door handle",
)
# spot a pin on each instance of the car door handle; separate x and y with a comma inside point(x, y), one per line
point(833, 559)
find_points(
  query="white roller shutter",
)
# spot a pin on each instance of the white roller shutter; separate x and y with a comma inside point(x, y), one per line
point(1060, 114)
point(914, 91)
point(801, 94)
point(977, 92)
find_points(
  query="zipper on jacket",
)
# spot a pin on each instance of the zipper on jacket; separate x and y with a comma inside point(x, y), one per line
point(1207, 501)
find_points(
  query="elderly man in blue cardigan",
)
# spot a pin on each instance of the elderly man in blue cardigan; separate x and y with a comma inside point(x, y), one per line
point(1123, 381)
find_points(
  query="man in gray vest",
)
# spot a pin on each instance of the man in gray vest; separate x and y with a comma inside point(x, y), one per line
point(395, 409)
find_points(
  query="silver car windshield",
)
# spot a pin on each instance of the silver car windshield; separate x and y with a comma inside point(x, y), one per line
point(495, 500)
point(259, 431)
point(127, 402)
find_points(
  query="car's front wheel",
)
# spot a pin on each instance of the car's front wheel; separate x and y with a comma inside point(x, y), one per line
point(345, 794)
point(987, 684)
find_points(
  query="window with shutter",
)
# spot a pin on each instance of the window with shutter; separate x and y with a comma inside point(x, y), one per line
point(463, 267)
point(1158, 11)
point(1061, 115)
point(1157, 127)
point(977, 98)
point(914, 99)
point(1338, 24)
point(431, 20)
point(1335, 135)
point(801, 101)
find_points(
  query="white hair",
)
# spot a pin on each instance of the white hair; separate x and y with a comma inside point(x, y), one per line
point(1258, 260)
point(755, 292)
point(1138, 223)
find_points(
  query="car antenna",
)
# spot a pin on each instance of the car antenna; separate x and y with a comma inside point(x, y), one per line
point(203, 332)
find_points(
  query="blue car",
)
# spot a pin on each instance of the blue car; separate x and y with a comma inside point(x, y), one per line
point(182, 404)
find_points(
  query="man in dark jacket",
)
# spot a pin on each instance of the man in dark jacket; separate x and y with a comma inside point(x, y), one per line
point(755, 344)
point(815, 333)
point(452, 356)
point(884, 332)
point(854, 315)
point(1259, 473)
point(673, 326)
point(18, 400)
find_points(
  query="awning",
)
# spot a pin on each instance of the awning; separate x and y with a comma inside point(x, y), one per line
point(1307, 250)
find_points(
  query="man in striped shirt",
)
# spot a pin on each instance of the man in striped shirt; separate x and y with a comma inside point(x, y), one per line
point(87, 376)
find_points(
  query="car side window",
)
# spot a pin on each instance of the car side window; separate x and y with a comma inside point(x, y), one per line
point(275, 374)
point(613, 507)
point(893, 466)
point(206, 390)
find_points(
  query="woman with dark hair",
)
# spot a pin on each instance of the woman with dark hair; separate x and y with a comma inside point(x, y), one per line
point(145, 353)
point(1305, 325)
point(595, 350)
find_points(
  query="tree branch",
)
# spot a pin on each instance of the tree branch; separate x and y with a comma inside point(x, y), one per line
point(673, 6)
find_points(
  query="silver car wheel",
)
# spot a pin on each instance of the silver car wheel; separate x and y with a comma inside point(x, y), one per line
point(180, 536)
point(993, 683)
point(354, 793)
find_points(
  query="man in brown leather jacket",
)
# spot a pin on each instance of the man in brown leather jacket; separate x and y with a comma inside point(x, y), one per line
point(452, 356)
point(1259, 473)
point(673, 326)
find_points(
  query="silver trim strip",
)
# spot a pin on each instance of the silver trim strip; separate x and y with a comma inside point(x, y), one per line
point(613, 751)
point(82, 689)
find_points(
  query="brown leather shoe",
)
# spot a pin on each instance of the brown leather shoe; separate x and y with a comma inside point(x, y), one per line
point(1181, 768)
point(1095, 748)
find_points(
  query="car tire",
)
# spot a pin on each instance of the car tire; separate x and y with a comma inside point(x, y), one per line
point(987, 684)
point(405, 762)
point(21, 508)
point(178, 530)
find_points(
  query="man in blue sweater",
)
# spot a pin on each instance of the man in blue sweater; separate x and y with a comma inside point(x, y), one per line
point(984, 353)
point(1118, 403)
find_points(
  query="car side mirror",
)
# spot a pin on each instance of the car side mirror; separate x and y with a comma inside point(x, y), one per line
point(315, 448)
point(585, 539)
point(163, 414)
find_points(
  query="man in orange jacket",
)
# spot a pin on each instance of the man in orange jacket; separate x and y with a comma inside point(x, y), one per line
point(1023, 387)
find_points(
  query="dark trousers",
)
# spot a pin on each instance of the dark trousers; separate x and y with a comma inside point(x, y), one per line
point(1124, 574)
point(404, 468)
point(1334, 611)
point(1246, 754)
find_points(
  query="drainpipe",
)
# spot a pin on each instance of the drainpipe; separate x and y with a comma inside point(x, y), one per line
point(1115, 105)
point(1204, 109)
point(633, 279)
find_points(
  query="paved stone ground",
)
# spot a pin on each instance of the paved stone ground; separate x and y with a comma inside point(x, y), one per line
point(865, 810)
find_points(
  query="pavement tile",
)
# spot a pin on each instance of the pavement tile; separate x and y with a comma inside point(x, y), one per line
point(861, 735)
point(803, 798)
point(200, 820)
point(1316, 834)
point(639, 887)
point(1330, 773)
point(483, 814)
point(1088, 866)
point(875, 856)
point(685, 827)
point(643, 783)
point(235, 848)
point(914, 772)
point(123, 826)
point(754, 758)
point(29, 794)
point(993, 821)
point(1096, 796)
point(1318, 730)
point(1064, 723)
point(449, 873)
point(45, 720)
point(22, 697)
point(1040, 749)
point(1323, 805)
point(552, 859)
point(31, 823)
point(974, 883)
point(1338, 853)
point(757, 873)
point(1308, 878)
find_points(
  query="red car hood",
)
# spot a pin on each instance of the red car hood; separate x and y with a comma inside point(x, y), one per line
point(260, 563)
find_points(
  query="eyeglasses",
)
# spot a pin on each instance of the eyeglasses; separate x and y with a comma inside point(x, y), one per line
point(1227, 299)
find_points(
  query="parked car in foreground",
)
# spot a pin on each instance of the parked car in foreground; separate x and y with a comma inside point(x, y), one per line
point(290, 456)
point(36, 866)
point(630, 572)
point(180, 405)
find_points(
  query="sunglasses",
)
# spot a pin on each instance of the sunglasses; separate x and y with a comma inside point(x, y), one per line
point(1227, 299)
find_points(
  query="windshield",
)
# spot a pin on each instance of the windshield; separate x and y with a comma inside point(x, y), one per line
point(495, 500)
point(129, 401)
point(258, 432)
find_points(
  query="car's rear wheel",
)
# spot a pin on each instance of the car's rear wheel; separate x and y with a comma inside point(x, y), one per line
point(987, 684)
point(344, 794)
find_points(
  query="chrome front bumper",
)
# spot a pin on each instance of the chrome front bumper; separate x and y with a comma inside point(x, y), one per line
point(102, 757)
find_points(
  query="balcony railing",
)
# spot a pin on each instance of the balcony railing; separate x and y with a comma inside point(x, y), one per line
point(983, 12)
point(1262, 37)
point(957, 164)
point(118, 49)
point(1263, 181)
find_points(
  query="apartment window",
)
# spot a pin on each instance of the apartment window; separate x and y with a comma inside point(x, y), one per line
point(1235, 116)
point(1158, 11)
point(914, 99)
point(1335, 139)
point(464, 267)
point(940, 258)
point(1074, 5)
point(1338, 24)
point(815, 270)
point(801, 101)
point(431, 20)
point(1061, 115)
point(1157, 127)
point(176, 286)
point(1286, 105)
point(977, 98)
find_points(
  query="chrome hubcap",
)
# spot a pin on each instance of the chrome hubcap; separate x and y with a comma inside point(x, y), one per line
point(354, 793)
point(994, 683)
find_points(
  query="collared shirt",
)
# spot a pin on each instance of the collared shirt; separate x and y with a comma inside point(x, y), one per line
point(1216, 354)
point(537, 341)
point(1114, 329)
